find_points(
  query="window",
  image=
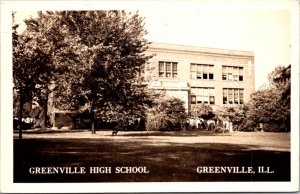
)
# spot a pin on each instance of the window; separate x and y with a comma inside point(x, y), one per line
point(241, 74)
point(210, 70)
point(231, 73)
point(193, 71)
point(224, 96)
point(201, 95)
point(193, 99)
point(224, 73)
point(174, 70)
point(202, 71)
point(233, 96)
point(167, 69)
point(241, 95)
point(230, 96)
point(205, 71)
point(235, 74)
point(161, 69)
point(211, 100)
point(230, 76)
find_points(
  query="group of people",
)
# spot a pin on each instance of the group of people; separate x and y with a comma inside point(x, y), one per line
point(210, 124)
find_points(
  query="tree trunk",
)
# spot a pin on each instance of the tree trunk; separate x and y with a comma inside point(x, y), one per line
point(93, 127)
point(21, 100)
point(45, 119)
point(93, 122)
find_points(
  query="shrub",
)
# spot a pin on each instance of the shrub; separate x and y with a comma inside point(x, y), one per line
point(221, 130)
point(156, 121)
point(273, 128)
point(247, 125)
point(204, 111)
point(167, 114)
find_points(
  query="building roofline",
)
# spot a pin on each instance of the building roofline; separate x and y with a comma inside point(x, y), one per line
point(198, 49)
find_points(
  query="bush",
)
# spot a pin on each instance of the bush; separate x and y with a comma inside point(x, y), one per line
point(167, 114)
point(247, 125)
point(221, 130)
point(274, 128)
point(204, 111)
point(156, 122)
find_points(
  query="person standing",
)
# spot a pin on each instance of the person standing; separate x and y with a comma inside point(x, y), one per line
point(230, 127)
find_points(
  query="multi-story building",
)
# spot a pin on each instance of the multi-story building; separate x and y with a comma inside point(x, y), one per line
point(218, 77)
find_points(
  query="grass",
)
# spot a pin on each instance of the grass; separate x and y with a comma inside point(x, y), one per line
point(172, 157)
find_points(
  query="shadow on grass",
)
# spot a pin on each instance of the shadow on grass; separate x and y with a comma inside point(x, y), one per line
point(167, 162)
point(130, 133)
point(173, 133)
point(48, 131)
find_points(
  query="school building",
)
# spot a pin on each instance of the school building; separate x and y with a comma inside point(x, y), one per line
point(196, 75)
point(218, 77)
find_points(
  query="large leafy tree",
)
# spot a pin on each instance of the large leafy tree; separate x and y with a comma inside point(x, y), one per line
point(271, 104)
point(281, 79)
point(23, 84)
point(42, 54)
point(110, 87)
point(93, 58)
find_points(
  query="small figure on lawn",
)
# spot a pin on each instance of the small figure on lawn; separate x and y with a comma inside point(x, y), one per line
point(115, 129)
point(114, 132)
point(211, 125)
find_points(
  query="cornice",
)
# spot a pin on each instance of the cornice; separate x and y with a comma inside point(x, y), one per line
point(180, 49)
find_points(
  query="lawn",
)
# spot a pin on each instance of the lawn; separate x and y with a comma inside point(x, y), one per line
point(169, 156)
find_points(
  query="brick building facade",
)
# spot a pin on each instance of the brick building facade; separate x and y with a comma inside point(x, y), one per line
point(218, 77)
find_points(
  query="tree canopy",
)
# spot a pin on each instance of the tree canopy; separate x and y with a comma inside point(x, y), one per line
point(94, 59)
point(270, 105)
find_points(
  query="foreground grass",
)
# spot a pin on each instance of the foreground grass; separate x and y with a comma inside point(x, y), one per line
point(167, 158)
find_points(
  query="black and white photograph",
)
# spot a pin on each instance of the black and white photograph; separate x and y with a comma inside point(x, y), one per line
point(149, 96)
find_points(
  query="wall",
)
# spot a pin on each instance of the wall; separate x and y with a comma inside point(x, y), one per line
point(185, 55)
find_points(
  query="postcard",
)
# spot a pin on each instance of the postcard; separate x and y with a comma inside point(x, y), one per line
point(149, 96)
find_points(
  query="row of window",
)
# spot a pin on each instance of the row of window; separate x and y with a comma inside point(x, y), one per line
point(200, 95)
point(201, 71)
point(167, 69)
point(233, 96)
point(232, 73)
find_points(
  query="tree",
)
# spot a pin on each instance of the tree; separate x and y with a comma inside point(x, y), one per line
point(22, 72)
point(238, 117)
point(204, 111)
point(271, 105)
point(93, 58)
point(110, 87)
point(281, 78)
point(166, 114)
point(42, 54)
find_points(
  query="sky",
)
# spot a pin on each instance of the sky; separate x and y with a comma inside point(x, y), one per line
point(265, 31)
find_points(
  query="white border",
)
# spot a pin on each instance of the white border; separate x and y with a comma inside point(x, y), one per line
point(6, 102)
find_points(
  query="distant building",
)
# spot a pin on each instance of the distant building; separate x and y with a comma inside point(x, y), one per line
point(218, 77)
